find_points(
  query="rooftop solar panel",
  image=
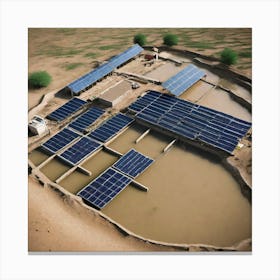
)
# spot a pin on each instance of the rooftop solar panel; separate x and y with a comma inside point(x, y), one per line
point(80, 150)
point(104, 188)
point(67, 109)
point(103, 70)
point(60, 140)
point(133, 163)
point(111, 127)
point(192, 121)
point(183, 80)
point(86, 119)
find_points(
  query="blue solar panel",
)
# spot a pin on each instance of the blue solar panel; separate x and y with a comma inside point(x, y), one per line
point(192, 121)
point(80, 150)
point(67, 109)
point(133, 163)
point(103, 70)
point(60, 140)
point(86, 119)
point(111, 127)
point(183, 80)
point(104, 188)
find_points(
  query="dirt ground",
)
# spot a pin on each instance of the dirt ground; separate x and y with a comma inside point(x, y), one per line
point(67, 53)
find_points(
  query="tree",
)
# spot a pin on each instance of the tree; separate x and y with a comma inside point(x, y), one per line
point(39, 79)
point(170, 39)
point(228, 56)
point(140, 39)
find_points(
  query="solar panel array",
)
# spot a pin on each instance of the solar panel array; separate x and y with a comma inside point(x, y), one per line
point(60, 140)
point(104, 188)
point(80, 150)
point(67, 109)
point(86, 119)
point(110, 128)
point(133, 163)
point(183, 80)
point(190, 120)
point(103, 70)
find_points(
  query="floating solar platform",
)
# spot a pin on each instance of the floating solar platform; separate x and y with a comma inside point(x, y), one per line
point(104, 188)
point(80, 150)
point(111, 127)
point(183, 80)
point(133, 163)
point(103, 70)
point(190, 120)
point(86, 119)
point(60, 140)
point(67, 109)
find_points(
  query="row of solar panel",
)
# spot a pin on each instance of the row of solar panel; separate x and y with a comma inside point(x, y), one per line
point(67, 109)
point(80, 150)
point(60, 140)
point(133, 163)
point(111, 182)
point(183, 80)
point(190, 120)
point(110, 128)
point(86, 119)
point(104, 188)
point(103, 70)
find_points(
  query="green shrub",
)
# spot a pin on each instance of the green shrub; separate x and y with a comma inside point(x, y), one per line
point(140, 39)
point(170, 40)
point(39, 79)
point(228, 56)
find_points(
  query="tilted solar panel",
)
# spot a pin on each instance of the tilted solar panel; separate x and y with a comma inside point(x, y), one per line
point(80, 150)
point(183, 80)
point(60, 140)
point(103, 70)
point(192, 121)
point(67, 109)
point(133, 163)
point(104, 188)
point(111, 127)
point(86, 119)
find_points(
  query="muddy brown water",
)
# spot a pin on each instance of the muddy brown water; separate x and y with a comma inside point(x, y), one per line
point(191, 199)
point(37, 157)
point(218, 99)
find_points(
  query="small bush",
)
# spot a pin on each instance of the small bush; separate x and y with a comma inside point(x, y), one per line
point(140, 39)
point(39, 79)
point(228, 56)
point(170, 40)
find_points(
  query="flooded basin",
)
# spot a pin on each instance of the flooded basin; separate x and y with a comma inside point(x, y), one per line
point(37, 156)
point(217, 99)
point(191, 199)
point(151, 145)
point(96, 164)
point(54, 169)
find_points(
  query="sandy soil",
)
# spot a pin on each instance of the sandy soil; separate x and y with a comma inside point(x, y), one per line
point(67, 53)
point(54, 224)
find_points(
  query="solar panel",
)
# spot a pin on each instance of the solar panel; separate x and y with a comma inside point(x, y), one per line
point(133, 163)
point(103, 70)
point(60, 140)
point(104, 188)
point(110, 128)
point(86, 119)
point(80, 150)
point(67, 109)
point(192, 121)
point(183, 80)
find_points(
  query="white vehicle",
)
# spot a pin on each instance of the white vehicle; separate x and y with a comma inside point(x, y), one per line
point(38, 125)
point(135, 85)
